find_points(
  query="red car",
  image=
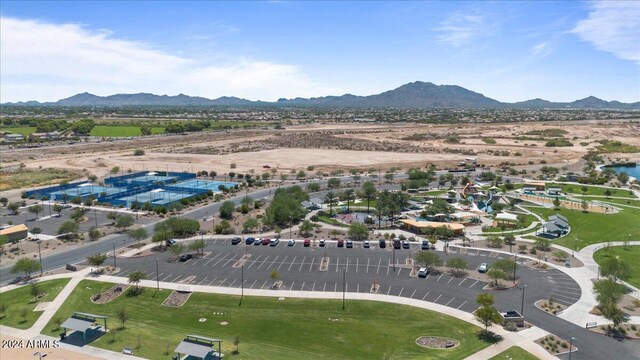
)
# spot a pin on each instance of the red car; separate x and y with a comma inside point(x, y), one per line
point(307, 242)
point(266, 241)
point(340, 243)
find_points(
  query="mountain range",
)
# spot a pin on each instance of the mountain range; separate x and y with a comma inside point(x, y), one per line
point(415, 95)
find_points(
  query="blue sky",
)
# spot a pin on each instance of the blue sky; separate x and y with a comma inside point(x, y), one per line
point(510, 51)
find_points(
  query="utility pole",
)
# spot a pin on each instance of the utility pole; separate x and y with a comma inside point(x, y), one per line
point(515, 266)
point(114, 255)
point(40, 257)
point(524, 287)
point(95, 215)
point(571, 346)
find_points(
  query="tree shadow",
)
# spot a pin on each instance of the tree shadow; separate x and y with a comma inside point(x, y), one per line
point(489, 337)
point(133, 292)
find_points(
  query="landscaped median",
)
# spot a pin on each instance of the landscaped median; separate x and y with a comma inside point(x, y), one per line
point(19, 304)
point(271, 327)
point(514, 353)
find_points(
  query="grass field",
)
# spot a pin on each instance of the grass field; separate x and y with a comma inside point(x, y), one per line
point(591, 190)
point(21, 298)
point(629, 255)
point(529, 219)
point(591, 228)
point(629, 201)
point(273, 329)
point(121, 130)
point(29, 178)
point(23, 130)
point(514, 353)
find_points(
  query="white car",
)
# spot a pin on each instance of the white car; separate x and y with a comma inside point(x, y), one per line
point(483, 268)
point(423, 272)
point(322, 242)
point(291, 242)
point(366, 244)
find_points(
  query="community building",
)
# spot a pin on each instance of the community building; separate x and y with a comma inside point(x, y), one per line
point(417, 226)
point(15, 233)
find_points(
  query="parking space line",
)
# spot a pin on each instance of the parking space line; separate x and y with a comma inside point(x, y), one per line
point(388, 268)
point(324, 288)
point(357, 264)
point(254, 261)
point(358, 288)
point(414, 292)
point(388, 290)
point(368, 264)
point(150, 275)
point(462, 281)
point(450, 279)
point(379, 260)
point(438, 298)
point(292, 262)
point(201, 281)
point(400, 293)
point(230, 259)
point(439, 277)
point(302, 263)
point(212, 281)
point(335, 287)
point(461, 305)
point(425, 295)
point(429, 274)
point(177, 277)
point(223, 281)
point(254, 282)
point(217, 262)
point(124, 272)
point(233, 282)
point(311, 266)
point(347, 268)
point(473, 284)
point(447, 304)
point(274, 260)
point(166, 277)
point(265, 283)
point(314, 286)
point(263, 261)
point(283, 260)
point(337, 261)
point(302, 287)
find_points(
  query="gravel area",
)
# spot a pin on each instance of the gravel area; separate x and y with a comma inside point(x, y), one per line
point(177, 298)
point(435, 342)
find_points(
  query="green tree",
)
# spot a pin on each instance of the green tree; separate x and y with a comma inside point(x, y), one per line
point(138, 152)
point(178, 249)
point(226, 210)
point(285, 206)
point(358, 231)
point(608, 291)
point(313, 187)
point(369, 192)
point(496, 275)
point(123, 316)
point(484, 299)
point(96, 260)
point(556, 203)
point(112, 215)
point(613, 313)
point(135, 277)
point(487, 315)
point(584, 205)
point(34, 289)
point(250, 224)
point(57, 208)
point(428, 259)
point(69, 229)
point(14, 207)
point(306, 227)
point(94, 233)
point(138, 234)
point(25, 265)
point(124, 221)
point(36, 231)
point(4, 201)
point(330, 198)
point(198, 246)
point(457, 266)
point(35, 209)
point(608, 193)
point(348, 196)
point(333, 183)
point(78, 214)
point(616, 269)
point(145, 130)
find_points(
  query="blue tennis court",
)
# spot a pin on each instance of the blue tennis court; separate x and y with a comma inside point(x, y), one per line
point(204, 184)
point(155, 197)
point(84, 190)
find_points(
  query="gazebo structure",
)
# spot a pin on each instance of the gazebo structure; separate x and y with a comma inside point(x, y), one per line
point(82, 322)
point(199, 347)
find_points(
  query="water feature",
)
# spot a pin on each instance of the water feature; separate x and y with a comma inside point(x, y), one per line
point(633, 171)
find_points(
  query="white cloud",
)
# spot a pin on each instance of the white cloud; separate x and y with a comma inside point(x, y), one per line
point(541, 50)
point(46, 62)
point(461, 28)
point(613, 26)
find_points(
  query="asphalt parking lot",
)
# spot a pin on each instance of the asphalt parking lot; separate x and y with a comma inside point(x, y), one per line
point(299, 269)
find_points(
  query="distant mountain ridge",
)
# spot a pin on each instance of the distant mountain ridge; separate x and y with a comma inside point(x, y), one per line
point(415, 95)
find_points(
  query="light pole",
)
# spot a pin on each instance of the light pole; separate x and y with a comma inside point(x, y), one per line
point(394, 256)
point(114, 256)
point(515, 266)
point(344, 284)
point(524, 287)
point(571, 346)
point(40, 257)
point(157, 277)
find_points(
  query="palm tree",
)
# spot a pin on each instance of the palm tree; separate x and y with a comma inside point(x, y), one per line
point(330, 198)
point(348, 196)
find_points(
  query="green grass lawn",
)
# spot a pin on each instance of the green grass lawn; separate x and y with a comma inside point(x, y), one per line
point(576, 189)
point(590, 228)
point(23, 130)
point(529, 219)
point(514, 353)
point(629, 255)
point(273, 329)
point(629, 201)
point(121, 130)
point(21, 298)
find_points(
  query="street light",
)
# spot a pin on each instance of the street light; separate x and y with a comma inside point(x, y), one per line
point(114, 256)
point(515, 266)
point(571, 346)
point(40, 257)
point(524, 287)
point(394, 256)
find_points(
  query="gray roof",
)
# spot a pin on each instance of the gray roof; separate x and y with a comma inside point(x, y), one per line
point(77, 324)
point(194, 348)
point(558, 216)
point(561, 223)
point(306, 204)
point(316, 200)
point(551, 227)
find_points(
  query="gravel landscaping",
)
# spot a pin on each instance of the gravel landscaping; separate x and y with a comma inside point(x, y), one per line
point(436, 342)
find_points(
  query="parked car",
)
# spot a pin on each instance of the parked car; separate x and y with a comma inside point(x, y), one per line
point(366, 244)
point(185, 257)
point(405, 244)
point(266, 241)
point(236, 240)
point(258, 241)
point(274, 242)
point(322, 242)
point(349, 243)
point(382, 244)
point(396, 244)
point(171, 242)
point(307, 242)
point(340, 243)
point(249, 240)
point(291, 242)
point(423, 272)
point(483, 268)
point(425, 245)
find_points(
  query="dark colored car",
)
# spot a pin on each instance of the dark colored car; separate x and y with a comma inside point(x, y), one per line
point(397, 244)
point(185, 257)
point(349, 243)
point(236, 241)
point(425, 245)
point(322, 242)
point(171, 242)
point(405, 244)
point(382, 244)
point(340, 243)
point(307, 242)
point(266, 241)
point(249, 240)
